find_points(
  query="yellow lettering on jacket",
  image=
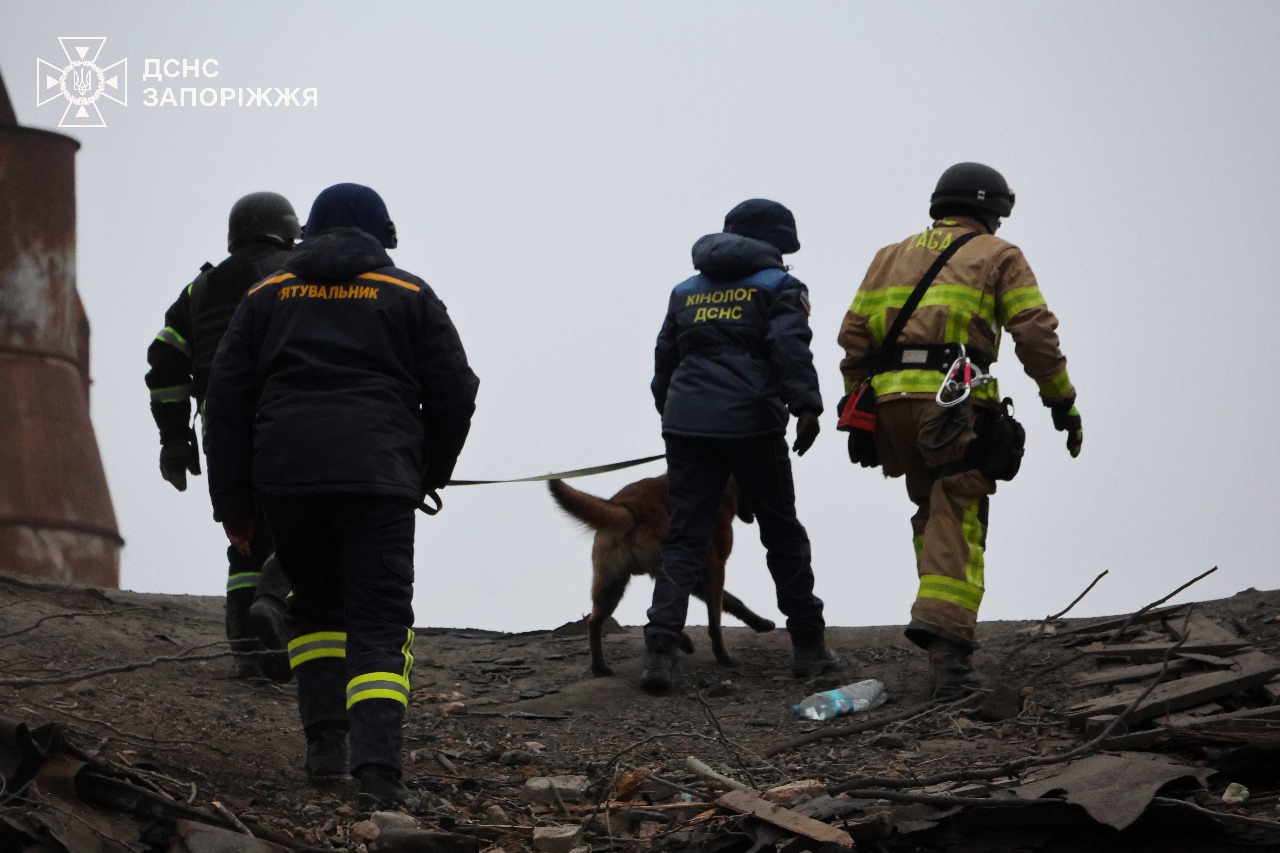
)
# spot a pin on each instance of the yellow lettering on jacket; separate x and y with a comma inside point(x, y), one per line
point(332, 291)
point(928, 239)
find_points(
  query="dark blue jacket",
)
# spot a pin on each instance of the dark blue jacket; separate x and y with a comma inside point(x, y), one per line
point(733, 355)
point(340, 374)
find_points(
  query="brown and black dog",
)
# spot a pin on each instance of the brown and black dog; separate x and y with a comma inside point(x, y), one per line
point(630, 530)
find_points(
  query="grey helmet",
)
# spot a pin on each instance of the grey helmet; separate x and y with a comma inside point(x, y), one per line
point(263, 216)
point(972, 186)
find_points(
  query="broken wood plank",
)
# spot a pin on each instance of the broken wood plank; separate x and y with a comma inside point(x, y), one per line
point(1201, 629)
point(1138, 672)
point(1157, 651)
point(748, 802)
point(1249, 670)
point(1112, 624)
point(1189, 728)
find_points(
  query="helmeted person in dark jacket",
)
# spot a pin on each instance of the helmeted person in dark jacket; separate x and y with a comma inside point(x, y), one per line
point(732, 364)
point(340, 396)
point(261, 230)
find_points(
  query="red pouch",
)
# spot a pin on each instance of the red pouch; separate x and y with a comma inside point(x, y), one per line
point(860, 411)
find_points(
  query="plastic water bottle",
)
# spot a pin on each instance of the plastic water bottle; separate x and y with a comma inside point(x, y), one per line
point(850, 699)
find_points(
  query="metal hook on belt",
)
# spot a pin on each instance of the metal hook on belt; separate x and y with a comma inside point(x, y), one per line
point(962, 377)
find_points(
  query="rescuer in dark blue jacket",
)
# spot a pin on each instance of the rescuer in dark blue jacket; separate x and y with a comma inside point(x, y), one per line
point(732, 364)
point(340, 395)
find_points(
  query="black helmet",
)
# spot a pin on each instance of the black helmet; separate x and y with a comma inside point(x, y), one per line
point(762, 219)
point(263, 216)
point(971, 186)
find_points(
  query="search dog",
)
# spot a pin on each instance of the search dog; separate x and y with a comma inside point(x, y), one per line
point(630, 530)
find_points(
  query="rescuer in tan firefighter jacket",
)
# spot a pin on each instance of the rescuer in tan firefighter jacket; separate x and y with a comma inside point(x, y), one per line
point(261, 231)
point(950, 449)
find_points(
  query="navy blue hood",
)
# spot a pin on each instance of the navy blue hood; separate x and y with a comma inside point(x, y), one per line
point(337, 255)
point(730, 256)
point(351, 205)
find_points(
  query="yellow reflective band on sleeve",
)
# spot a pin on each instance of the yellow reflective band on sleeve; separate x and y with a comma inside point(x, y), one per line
point(1055, 387)
point(275, 279)
point(373, 276)
point(378, 685)
point(243, 580)
point(169, 335)
point(924, 382)
point(172, 394)
point(321, 644)
point(917, 542)
point(975, 537)
point(1018, 300)
point(952, 591)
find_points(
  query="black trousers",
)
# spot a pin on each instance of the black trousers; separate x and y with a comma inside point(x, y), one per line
point(697, 471)
point(349, 559)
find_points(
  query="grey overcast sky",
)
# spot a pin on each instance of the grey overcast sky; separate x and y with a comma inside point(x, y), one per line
point(549, 165)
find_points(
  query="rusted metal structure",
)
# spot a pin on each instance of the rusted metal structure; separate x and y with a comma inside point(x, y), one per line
point(56, 518)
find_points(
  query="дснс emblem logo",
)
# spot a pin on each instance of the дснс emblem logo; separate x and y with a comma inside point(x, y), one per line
point(82, 82)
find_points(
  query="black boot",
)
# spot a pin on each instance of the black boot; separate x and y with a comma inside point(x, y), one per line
point(326, 750)
point(379, 786)
point(242, 643)
point(659, 664)
point(808, 661)
point(268, 626)
point(951, 672)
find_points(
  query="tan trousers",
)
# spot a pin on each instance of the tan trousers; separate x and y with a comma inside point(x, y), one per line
point(950, 523)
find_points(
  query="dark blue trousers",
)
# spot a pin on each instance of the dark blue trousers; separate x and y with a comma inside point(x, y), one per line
point(349, 559)
point(697, 471)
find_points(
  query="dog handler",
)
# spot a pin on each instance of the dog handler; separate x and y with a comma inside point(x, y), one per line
point(340, 395)
point(985, 287)
point(731, 364)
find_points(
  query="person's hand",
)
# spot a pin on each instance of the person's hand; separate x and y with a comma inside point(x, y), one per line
point(807, 429)
point(177, 457)
point(240, 535)
point(1066, 418)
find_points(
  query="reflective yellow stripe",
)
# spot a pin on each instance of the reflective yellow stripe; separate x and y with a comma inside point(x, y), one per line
point(917, 542)
point(1055, 387)
point(958, 325)
point(172, 394)
point(373, 276)
point(407, 651)
point(243, 580)
point(924, 382)
point(941, 588)
point(321, 644)
point(378, 685)
point(169, 335)
point(1019, 300)
point(275, 279)
point(974, 537)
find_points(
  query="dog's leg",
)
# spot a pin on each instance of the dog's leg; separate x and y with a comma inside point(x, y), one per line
point(734, 607)
point(604, 600)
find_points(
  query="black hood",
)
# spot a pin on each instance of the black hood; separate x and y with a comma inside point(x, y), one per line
point(337, 255)
point(729, 256)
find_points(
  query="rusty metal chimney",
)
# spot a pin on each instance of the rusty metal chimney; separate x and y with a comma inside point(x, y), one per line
point(56, 518)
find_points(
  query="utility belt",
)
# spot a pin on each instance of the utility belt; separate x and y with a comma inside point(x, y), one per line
point(937, 357)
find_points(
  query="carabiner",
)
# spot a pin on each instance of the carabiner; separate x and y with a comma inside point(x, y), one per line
point(961, 378)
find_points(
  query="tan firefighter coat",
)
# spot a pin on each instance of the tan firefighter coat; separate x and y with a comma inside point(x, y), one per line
point(985, 287)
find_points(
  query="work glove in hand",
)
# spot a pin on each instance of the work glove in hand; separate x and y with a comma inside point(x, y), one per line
point(807, 429)
point(177, 457)
point(1066, 418)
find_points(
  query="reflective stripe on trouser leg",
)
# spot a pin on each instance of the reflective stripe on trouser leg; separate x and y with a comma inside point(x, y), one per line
point(319, 664)
point(376, 704)
point(384, 685)
point(243, 580)
point(952, 564)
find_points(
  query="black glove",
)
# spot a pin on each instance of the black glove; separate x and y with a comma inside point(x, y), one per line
point(807, 429)
point(177, 457)
point(1066, 418)
point(862, 448)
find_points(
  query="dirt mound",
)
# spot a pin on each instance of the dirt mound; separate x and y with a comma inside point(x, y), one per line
point(137, 690)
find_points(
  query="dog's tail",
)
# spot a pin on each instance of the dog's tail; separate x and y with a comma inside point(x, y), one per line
point(591, 511)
